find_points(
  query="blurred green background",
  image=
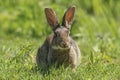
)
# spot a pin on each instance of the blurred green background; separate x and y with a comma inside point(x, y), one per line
point(96, 28)
point(26, 17)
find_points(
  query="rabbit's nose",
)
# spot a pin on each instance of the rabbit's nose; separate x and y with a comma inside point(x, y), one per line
point(64, 44)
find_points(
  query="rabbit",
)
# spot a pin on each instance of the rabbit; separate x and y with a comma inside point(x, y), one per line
point(59, 47)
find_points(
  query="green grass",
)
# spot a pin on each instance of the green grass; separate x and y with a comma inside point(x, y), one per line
point(96, 28)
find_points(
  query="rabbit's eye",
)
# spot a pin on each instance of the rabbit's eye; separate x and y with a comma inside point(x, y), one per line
point(68, 28)
point(55, 34)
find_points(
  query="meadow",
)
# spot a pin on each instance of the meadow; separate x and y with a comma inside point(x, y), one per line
point(96, 28)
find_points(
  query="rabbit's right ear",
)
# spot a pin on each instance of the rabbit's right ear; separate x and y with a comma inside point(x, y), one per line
point(51, 18)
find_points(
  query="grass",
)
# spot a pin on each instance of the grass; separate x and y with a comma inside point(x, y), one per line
point(23, 29)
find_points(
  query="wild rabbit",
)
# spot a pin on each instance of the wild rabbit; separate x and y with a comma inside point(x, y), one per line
point(59, 47)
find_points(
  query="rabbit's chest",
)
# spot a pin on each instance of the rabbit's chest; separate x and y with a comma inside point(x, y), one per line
point(60, 56)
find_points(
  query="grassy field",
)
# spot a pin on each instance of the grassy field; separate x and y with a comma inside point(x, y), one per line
point(96, 28)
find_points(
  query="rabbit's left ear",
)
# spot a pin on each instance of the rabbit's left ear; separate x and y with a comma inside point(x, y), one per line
point(68, 17)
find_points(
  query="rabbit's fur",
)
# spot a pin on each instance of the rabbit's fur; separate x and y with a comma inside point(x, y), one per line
point(59, 47)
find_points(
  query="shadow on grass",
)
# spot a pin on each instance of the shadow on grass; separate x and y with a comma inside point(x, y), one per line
point(44, 71)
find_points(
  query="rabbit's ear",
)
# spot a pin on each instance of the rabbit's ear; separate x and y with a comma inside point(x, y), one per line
point(68, 17)
point(51, 18)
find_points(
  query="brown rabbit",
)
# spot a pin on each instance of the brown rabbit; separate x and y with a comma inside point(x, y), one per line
point(59, 47)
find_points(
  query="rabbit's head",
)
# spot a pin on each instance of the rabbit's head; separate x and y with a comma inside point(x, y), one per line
point(61, 39)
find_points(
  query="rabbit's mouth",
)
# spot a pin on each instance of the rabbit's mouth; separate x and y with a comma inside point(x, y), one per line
point(60, 48)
